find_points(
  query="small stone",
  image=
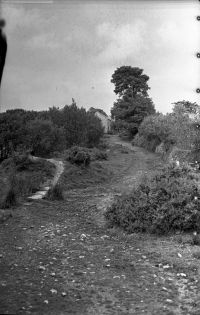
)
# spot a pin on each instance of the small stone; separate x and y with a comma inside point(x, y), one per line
point(54, 291)
point(63, 293)
point(144, 257)
point(46, 301)
point(53, 274)
point(83, 236)
point(169, 301)
point(179, 255)
point(182, 274)
point(42, 268)
point(166, 266)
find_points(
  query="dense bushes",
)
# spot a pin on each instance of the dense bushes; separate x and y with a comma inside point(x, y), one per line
point(167, 201)
point(48, 131)
point(83, 156)
point(44, 137)
point(129, 113)
point(78, 155)
point(178, 128)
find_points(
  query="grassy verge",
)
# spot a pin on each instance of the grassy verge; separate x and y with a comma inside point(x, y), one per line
point(20, 176)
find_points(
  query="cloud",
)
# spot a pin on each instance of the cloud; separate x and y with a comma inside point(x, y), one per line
point(43, 41)
point(120, 41)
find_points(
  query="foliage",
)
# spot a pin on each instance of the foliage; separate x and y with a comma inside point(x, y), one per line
point(47, 131)
point(185, 107)
point(153, 130)
point(80, 127)
point(55, 193)
point(167, 201)
point(23, 175)
point(176, 128)
point(97, 154)
point(133, 103)
point(95, 131)
point(44, 137)
point(130, 112)
point(10, 198)
point(130, 81)
point(79, 156)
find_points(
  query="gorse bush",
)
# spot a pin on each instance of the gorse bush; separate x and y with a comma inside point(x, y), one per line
point(79, 156)
point(167, 201)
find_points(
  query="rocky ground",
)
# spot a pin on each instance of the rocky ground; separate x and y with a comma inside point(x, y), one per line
point(61, 258)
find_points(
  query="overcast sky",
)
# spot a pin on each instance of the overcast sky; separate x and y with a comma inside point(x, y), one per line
point(64, 49)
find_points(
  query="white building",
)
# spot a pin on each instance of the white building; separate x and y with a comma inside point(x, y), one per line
point(105, 120)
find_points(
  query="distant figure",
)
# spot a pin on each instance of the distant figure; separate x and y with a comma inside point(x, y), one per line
point(3, 48)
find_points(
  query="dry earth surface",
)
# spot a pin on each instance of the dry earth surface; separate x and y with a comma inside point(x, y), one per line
point(61, 258)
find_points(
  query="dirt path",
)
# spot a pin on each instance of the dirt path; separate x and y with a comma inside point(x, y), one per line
point(60, 258)
point(46, 186)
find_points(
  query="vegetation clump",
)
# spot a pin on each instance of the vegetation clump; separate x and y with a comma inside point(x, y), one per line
point(10, 198)
point(167, 201)
point(97, 154)
point(55, 193)
point(79, 156)
point(20, 176)
point(179, 128)
point(46, 132)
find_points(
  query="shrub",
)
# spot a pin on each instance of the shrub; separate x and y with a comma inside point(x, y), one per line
point(167, 201)
point(79, 156)
point(45, 137)
point(102, 144)
point(55, 193)
point(99, 155)
point(10, 199)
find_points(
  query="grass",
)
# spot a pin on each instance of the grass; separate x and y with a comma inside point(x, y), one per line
point(10, 199)
point(20, 177)
point(55, 193)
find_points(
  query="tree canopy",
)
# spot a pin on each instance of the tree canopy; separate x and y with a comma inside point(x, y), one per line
point(186, 107)
point(129, 113)
point(130, 81)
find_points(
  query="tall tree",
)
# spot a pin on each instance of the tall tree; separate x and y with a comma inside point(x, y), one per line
point(130, 81)
point(129, 112)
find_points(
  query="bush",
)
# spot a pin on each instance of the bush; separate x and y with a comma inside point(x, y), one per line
point(167, 201)
point(99, 155)
point(10, 199)
point(45, 137)
point(55, 193)
point(79, 156)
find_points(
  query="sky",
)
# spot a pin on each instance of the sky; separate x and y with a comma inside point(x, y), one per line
point(64, 49)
